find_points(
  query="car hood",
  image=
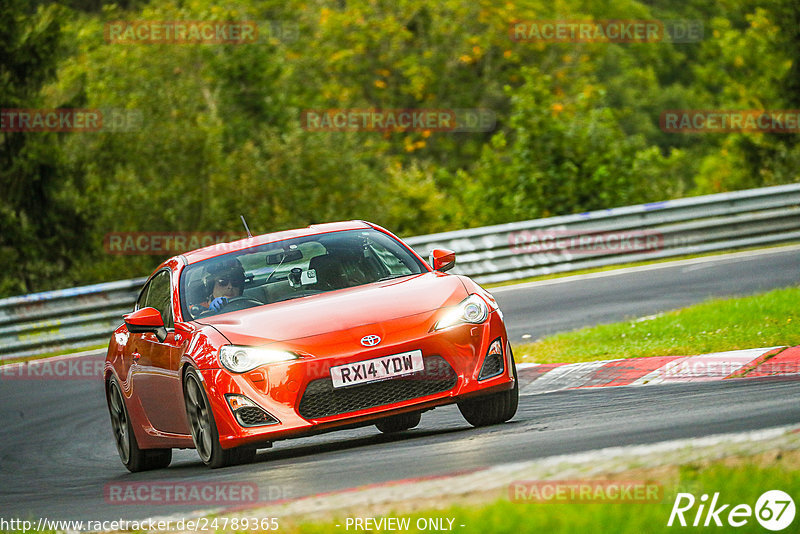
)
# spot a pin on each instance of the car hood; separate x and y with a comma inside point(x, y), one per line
point(341, 310)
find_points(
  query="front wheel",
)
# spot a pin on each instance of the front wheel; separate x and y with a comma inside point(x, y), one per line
point(492, 409)
point(204, 428)
point(134, 458)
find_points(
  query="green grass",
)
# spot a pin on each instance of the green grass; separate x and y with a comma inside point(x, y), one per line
point(740, 482)
point(716, 325)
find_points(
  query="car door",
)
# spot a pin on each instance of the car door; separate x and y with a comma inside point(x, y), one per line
point(155, 377)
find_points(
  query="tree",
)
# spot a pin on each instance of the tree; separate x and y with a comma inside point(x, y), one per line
point(40, 230)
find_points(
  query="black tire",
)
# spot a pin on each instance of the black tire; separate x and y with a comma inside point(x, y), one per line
point(133, 458)
point(492, 409)
point(398, 423)
point(204, 428)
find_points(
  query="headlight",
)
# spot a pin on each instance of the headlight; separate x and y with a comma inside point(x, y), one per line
point(472, 310)
point(243, 359)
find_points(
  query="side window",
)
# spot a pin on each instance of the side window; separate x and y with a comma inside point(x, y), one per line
point(141, 301)
point(158, 296)
point(390, 260)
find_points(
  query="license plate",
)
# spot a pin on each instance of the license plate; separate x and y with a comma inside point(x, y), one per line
point(376, 369)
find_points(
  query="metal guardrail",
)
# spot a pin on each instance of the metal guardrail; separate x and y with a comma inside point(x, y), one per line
point(65, 319)
point(86, 316)
point(691, 225)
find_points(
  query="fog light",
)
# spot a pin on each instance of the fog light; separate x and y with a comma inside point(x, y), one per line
point(494, 362)
point(495, 348)
point(237, 402)
point(248, 413)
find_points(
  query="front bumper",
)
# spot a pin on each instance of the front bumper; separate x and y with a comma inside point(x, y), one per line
point(299, 395)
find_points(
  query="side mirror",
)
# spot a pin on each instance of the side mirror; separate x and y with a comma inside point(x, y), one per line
point(146, 320)
point(442, 259)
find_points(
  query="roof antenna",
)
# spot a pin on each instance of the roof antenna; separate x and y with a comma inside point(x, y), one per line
point(246, 227)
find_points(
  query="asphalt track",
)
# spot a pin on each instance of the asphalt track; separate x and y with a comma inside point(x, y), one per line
point(552, 306)
point(57, 455)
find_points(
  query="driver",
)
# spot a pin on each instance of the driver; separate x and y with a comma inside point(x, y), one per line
point(226, 281)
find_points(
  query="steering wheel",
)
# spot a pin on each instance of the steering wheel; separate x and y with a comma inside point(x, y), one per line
point(239, 303)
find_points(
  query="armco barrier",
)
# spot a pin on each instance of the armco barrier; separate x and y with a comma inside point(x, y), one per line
point(692, 225)
point(64, 319)
point(85, 316)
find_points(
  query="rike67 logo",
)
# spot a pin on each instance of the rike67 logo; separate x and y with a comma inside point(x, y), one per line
point(774, 510)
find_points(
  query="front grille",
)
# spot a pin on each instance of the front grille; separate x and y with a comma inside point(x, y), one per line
point(252, 416)
point(493, 365)
point(320, 399)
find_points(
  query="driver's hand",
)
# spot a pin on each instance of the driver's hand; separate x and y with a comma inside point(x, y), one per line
point(218, 303)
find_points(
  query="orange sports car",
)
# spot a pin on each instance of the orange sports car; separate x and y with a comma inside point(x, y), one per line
point(294, 333)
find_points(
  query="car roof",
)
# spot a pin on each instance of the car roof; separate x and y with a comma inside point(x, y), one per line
point(212, 251)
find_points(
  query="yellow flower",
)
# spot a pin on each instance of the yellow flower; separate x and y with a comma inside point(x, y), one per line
point(465, 59)
point(380, 84)
point(557, 108)
point(738, 61)
point(426, 133)
point(419, 144)
point(507, 54)
point(476, 50)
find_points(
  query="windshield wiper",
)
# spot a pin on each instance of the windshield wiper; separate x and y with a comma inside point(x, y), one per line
point(393, 277)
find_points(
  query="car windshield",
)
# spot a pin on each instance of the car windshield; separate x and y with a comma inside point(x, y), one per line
point(291, 269)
